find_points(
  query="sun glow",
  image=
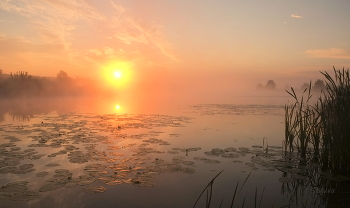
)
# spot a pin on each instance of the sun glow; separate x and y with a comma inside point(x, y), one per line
point(117, 74)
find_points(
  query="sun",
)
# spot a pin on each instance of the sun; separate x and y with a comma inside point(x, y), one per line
point(117, 74)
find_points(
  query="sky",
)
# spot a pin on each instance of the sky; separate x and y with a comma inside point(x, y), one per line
point(204, 46)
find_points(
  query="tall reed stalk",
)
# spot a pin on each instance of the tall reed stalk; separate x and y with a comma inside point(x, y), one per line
point(321, 132)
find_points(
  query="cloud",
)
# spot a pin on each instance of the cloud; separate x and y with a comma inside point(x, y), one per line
point(52, 20)
point(335, 53)
point(8, 6)
point(20, 45)
point(132, 31)
point(296, 16)
point(83, 34)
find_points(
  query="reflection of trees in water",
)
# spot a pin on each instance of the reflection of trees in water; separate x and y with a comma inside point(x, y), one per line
point(21, 117)
point(319, 134)
point(306, 184)
point(24, 109)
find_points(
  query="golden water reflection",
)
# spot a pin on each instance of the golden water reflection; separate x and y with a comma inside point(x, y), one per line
point(106, 149)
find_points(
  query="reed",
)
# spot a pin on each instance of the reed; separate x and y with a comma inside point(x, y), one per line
point(321, 132)
point(209, 190)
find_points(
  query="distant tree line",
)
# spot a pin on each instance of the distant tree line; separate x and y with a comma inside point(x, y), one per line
point(21, 84)
point(270, 85)
point(318, 86)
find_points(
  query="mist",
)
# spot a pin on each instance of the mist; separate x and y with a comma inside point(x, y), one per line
point(23, 95)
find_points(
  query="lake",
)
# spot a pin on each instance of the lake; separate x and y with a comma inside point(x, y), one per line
point(103, 153)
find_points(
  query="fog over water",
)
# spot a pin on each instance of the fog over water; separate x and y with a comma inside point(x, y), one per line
point(125, 103)
point(176, 138)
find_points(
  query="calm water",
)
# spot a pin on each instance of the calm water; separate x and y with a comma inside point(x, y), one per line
point(79, 153)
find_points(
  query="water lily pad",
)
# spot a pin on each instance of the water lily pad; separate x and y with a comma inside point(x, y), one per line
point(188, 162)
point(25, 171)
point(94, 189)
point(25, 166)
point(230, 149)
point(51, 186)
point(244, 149)
point(212, 161)
point(200, 158)
point(193, 149)
point(13, 162)
point(21, 196)
point(12, 138)
point(217, 151)
point(52, 165)
point(174, 168)
point(114, 182)
point(172, 152)
point(230, 155)
point(14, 187)
point(5, 170)
point(42, 174)
point(62, 171)
point(188, 170)
point(13, 149)
point(178, 158)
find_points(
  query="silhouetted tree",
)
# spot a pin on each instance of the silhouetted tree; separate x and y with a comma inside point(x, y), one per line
point(259, 87)
point(319, 85)
point(62, 75)
point(20, 75)
point(304, 86)
point(270, 85)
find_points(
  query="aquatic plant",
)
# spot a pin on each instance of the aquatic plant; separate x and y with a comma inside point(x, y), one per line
point(319, 134)
point(209, 190)
point(320, 131)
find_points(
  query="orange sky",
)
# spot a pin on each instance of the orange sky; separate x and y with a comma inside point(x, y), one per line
point(209, 46)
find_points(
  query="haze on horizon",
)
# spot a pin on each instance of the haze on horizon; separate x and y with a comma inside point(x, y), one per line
point(198, 47)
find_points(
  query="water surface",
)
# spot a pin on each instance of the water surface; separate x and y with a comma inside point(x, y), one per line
point(80, 153)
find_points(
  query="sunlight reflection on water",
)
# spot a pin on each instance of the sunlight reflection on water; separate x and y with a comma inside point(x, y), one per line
point(164, 160)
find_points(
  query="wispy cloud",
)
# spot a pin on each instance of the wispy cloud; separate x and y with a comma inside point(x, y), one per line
point(132, 31)
point(9, 6)
point(84, 34)
point(296, 16)
point(52, 20)
point(335, 53)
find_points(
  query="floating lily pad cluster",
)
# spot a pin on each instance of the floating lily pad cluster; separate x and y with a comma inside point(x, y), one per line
point(17, 191)
point(85, 139)
point(105, 151)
